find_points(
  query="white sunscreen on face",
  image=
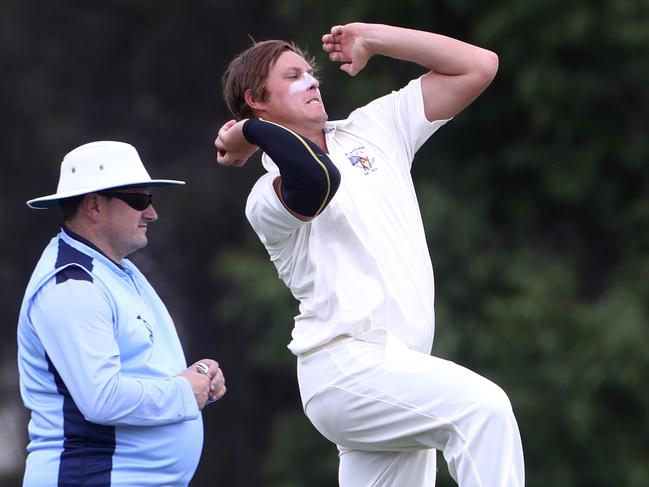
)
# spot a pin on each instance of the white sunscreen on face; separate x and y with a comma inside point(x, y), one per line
point(301, 84)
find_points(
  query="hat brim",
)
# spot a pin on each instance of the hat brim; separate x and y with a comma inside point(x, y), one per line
point(45, 202)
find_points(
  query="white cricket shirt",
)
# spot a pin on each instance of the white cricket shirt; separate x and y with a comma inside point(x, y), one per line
point(363, 263)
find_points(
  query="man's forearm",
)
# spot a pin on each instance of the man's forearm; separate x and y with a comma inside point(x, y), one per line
point(438, 53)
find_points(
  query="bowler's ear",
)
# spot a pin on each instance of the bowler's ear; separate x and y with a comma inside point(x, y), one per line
point(252, 101)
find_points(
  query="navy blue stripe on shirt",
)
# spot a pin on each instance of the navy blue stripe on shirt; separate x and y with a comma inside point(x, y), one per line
point(69, 255)
point(88, 448)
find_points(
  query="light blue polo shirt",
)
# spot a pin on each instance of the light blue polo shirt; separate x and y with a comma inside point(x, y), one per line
point(98, 356)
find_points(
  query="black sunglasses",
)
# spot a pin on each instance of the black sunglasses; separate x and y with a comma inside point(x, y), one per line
point(137, 201)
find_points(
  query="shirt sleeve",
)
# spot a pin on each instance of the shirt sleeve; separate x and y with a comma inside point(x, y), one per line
point(267, 215)
point(398, 118)
point(309, 178)
point(74, 321)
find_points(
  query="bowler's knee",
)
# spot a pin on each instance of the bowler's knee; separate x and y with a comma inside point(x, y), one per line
point(496, 407)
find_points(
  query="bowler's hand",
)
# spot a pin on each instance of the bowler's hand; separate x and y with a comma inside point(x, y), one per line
point(232, 148)
point(346, 44)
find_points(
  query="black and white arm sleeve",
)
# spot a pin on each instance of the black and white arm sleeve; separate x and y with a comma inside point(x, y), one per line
point(309, 178)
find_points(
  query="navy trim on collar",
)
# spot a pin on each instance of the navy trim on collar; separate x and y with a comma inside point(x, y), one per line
point(88, 243)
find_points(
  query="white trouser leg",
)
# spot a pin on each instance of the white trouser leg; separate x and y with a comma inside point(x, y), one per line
point(386, 398)
point(387, 469)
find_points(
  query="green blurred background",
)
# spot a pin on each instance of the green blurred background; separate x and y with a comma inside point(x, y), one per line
point(535, 201)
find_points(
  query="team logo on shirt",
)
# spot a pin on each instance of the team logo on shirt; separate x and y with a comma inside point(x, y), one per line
point(360, 159)
point(148, 327)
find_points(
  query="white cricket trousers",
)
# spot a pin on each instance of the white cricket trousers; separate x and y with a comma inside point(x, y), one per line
point(389, 408)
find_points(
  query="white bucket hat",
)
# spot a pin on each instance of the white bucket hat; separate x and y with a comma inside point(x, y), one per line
point(98, 166)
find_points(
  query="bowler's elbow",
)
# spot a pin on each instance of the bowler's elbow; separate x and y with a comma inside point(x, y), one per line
point(487, 67)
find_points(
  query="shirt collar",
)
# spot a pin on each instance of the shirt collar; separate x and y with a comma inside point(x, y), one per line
point(329, 128)
point(88, 243)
